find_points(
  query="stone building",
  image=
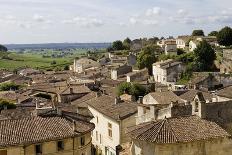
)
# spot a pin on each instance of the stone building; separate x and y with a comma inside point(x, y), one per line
point(84, 64)
point(162, 97)
point(204, 81)
point(55, 135)
point(170, 47)
point(167, 72)
point(120, 71)
point(111, 118)
point(189, 135)
point(224, 94)
point(137, 76)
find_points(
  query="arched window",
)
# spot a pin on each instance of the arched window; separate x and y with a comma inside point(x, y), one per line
point(196, 105)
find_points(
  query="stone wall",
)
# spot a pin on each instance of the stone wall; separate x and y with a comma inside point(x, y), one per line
point(208, 147)
point(71, 147)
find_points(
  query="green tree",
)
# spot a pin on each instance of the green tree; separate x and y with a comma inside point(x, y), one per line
point(146, 58)
point(3, 48)
point(224, 36)
point(204, 56)
point(9, 86)
point(131, 89)
point(66, 67)
point(198, 33)
point(213, 33)
point(127, 43)
point(118, 45)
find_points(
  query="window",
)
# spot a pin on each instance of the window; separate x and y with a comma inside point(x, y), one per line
point(3, 152)
point(82, 141)
point(196, 105)
point(110, 130)
point(60, 145)
point(97, 119)
point(100, 138)
point(38, 149)
point(96, 136)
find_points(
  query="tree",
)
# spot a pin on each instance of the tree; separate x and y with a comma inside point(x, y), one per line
point(146, 58)
point(9, 86)
point(127, 43)
point(224, 36)
point(213, 33)
point(198, 33)
point(131, 89)
point(118, 45)
point(66, 67)
point(204, 56)
point(3, 48)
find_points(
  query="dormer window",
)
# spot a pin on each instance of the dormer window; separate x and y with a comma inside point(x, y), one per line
point(196, 105)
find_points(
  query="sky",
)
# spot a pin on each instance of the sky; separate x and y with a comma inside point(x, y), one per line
point(53, 21)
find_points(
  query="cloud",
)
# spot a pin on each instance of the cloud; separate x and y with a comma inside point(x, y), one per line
point(41, 19)
point(182, 12)
point(153, 11)
point(84, 21)
point(133, 20)
point(25, 25)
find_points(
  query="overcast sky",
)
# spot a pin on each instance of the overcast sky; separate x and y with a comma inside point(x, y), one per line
point(43, 21)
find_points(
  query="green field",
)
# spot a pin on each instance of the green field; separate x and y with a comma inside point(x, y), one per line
point(37, 60)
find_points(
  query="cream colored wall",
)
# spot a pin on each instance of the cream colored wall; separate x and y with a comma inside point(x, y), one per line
point(102, 128)
point(211, 147)
point(50, 148)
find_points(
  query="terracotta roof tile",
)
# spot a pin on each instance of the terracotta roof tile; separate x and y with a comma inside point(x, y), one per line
point(175, 130)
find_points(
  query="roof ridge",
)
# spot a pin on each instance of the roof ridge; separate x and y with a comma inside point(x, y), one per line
point(163, 122)
point(174, 135)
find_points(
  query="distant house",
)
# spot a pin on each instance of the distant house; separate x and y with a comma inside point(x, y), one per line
point(131, 59)
point(111, 118)
point(182, 42)
point(179, 136)
point(204, 81)
point(138, 76)
point(28, 71)
point(170, 47)
point(196, 40)
point(167, 72)
point(193, 45)
point(84, 64)
point(120, 71)
point(45, 135)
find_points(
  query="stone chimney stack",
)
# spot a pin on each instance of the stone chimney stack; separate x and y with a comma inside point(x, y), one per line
point(140, 100)
point(116, 100)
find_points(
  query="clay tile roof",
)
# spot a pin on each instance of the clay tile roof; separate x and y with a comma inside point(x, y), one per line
point(106, 105)
point(175, 130)
point(225, 92)
point(38, 129)
point(76, 90)
point(166, 97)
point(189, 95)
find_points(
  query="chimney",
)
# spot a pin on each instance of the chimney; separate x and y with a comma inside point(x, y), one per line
point(97, 94)
point(71, 91)
point(58, 111)
point(140, 100)
point(116, 100)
